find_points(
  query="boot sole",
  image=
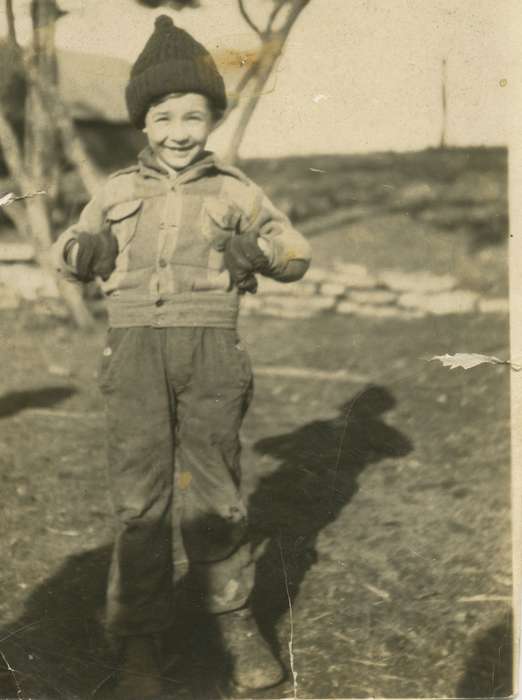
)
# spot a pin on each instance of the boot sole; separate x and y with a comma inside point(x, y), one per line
point(248, 688)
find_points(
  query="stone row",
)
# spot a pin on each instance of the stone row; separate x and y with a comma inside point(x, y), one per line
point(348, 289)
point(351, 289)
point(408, 306)
point(346, 276)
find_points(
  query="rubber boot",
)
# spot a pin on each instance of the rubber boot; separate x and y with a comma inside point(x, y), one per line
point(139, 676)
point(254, 666)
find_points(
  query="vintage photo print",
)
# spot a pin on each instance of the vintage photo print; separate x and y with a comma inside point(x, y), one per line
point(257, 379)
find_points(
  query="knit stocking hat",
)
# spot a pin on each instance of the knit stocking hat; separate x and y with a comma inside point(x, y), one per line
point(171, 61)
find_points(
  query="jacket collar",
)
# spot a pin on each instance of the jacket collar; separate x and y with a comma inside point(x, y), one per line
point(152, 167)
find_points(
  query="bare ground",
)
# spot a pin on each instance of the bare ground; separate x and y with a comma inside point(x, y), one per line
point(385, 501)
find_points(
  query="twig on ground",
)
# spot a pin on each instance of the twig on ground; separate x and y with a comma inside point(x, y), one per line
point(377, 591)
point(67, 533)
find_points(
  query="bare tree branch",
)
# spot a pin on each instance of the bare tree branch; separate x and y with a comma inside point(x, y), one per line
point(273, 15)
point(234, 96)
point(273, 43)
point(11, 29)
point(266, 35)
point(261, 76)
point(76, 152)
point(248, 19)
point(297, 7)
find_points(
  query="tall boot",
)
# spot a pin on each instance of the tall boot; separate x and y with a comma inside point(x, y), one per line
point(254, 666)
point(139, 676)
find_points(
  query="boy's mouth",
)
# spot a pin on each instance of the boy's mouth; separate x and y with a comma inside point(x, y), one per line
point(179, 149)
point(178, 156)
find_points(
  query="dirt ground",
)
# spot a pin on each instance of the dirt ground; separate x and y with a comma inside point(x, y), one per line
point(382, 500)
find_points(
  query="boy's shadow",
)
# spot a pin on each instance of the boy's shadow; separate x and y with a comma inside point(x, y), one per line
point(56, 647)
point(320, 463)
point(58, 650)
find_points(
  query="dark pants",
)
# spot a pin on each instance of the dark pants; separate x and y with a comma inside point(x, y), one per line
point(182, 392)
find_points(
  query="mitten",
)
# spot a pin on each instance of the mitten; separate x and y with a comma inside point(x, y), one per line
point(96, 256)
point(243, 258)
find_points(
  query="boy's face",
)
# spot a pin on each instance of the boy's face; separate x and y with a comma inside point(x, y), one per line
point(178, 127)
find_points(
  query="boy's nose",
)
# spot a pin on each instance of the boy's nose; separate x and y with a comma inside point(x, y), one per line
point(178, 134)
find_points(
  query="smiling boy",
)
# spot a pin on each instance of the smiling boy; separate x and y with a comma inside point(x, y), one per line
point(177, 239)
point(177, 128)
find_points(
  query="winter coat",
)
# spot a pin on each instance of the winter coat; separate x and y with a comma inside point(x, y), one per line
point(171, 232)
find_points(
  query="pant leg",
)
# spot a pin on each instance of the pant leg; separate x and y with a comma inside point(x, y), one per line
point(140, 456)
point(210, 410)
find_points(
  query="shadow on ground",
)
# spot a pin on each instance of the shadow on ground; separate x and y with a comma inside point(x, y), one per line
point(320, 463)
point(57, 646)
point(16, 401)
point(490, 665)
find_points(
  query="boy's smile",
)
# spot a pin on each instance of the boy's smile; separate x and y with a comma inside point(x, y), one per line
point(178, 127)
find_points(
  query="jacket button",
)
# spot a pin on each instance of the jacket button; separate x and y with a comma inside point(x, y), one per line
point(160, 302)
point(163, 262)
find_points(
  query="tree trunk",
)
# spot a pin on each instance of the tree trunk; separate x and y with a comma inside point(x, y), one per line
point(75, 151)
point(43, 154)
point(18, 216)
point(272, 46)
point(258, 83)
point(72, 295)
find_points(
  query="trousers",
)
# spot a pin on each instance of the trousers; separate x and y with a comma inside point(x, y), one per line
point(175, 399)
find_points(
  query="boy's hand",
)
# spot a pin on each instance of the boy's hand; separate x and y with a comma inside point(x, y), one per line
point(243, 258)
point(96, 256)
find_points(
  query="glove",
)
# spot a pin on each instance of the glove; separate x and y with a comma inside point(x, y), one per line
point(243, 257)
point(96, 256)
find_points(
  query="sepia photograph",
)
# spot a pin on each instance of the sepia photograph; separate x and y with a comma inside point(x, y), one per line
point(255, 404)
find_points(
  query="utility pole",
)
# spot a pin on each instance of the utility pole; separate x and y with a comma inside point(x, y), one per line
point(443, 142)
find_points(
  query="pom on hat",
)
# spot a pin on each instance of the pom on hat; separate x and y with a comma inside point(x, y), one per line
point(171, 61)
point(164, 22)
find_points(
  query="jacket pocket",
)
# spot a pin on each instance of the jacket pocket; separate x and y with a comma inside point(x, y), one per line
point(219, 221)
point(123, 219)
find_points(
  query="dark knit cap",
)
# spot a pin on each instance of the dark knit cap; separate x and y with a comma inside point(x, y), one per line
point(171, 61)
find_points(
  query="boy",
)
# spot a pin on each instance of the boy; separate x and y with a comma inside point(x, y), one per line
point(176, 240)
